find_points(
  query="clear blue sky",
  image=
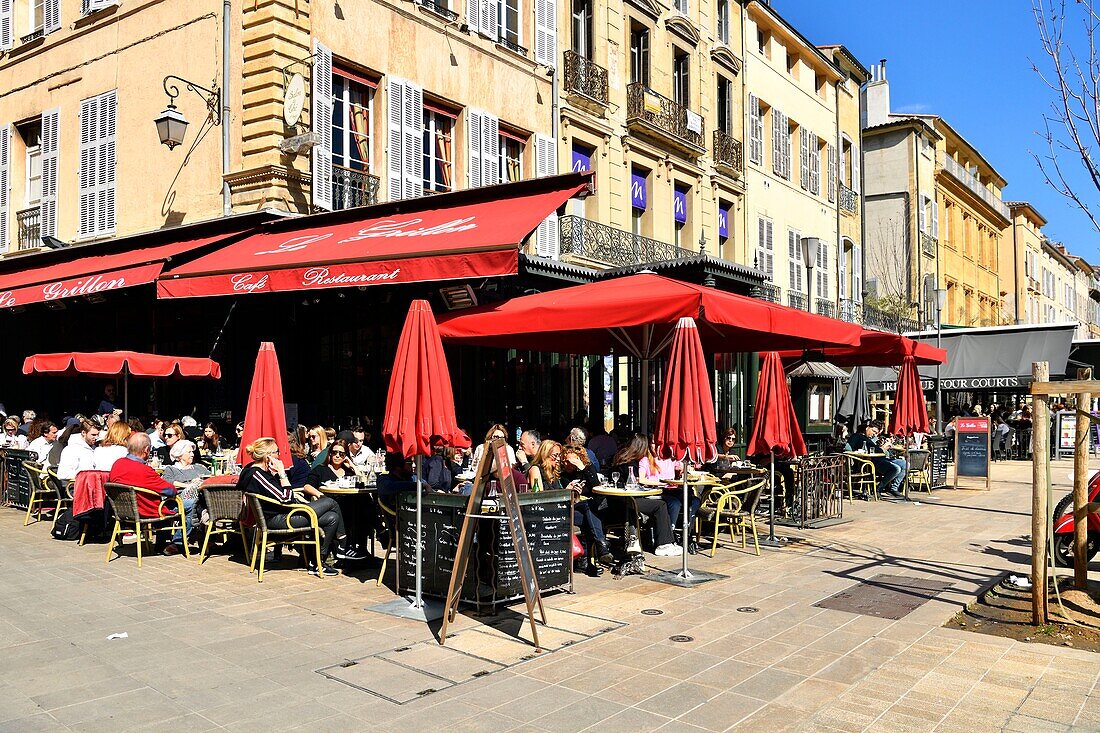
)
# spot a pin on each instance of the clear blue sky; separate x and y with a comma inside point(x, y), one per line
point(969, 61)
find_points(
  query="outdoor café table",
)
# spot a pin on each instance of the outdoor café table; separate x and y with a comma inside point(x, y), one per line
point(630, 495)
point(358, 517)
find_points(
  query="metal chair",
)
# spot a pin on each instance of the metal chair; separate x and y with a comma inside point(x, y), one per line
point(862, 476)
point(732, 505)
point(224, 504)
point(42, 491)
point(389, 518)
point(310, 535)
point(124, 501)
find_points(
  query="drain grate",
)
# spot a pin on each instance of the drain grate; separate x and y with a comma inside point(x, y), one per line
point(885, 596)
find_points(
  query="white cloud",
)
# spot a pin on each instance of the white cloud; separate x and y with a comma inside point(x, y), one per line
point(918, 108)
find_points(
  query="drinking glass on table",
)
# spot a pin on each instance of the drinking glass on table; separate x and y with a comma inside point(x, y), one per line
point(615, 478)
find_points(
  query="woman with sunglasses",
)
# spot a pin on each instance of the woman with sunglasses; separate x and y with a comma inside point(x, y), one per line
point(337, 465)
point(544, 473)
point(318, 442)
point(173, 433)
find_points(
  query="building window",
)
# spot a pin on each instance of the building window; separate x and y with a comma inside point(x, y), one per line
point(639, 201)
point(792, 64)
point(681, 63)
point(724, 21)
point(32, 138)
point(438, 150)
point(681, 205)
point(794, 261)
point(781, 144)
point(582, 28)
point(821, 270)
point(681, 6)
point(756, 130)
point(725, 105)
point(352, 120)
point(508, 22)
point(765, 246)
point(725, 210)
point(98, 119)
point(762, 47)
point(37, 15)
point(639, 55)
point(511, 158)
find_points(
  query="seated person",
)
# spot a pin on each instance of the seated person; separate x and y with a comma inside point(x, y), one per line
point(112, 448)
point(132, 470)
point(579, 475)
point(654, 509)
point(496, 432)
point(299, 469)
point(890, 471)
point(337, 465)
point(184, 470)
point(79, 453)
point(397, 478)
point(544, 470)
point(727, 459)
point(266, 476)
point(437, 471)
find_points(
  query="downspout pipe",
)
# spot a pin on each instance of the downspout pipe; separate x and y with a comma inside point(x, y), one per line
point(1016, 275)
point(227, 15)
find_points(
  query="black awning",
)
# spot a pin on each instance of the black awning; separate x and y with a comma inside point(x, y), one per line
point(996, 358)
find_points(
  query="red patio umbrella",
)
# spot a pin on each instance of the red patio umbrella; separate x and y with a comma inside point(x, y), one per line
point(265, 414)
point(876, 348)
point(775, 427)
point(910, 413)
point(113, 363)
point(685, 425)
point(420, 404)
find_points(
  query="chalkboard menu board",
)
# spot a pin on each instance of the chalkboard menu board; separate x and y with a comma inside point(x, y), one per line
point(493, 575)
point(938, 455)
point(972, 448)
point(17, 482)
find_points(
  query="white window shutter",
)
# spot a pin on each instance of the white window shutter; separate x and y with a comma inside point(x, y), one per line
point(490, 150)
point(489, 24)
point(786, 139)
point(803, 159)
point(842, 284)
point(473, 15)
point(855, 168)
point(90, 5)
point(832, 173)
point(51, 16)
point(6, 13)
point(321, 121)
point(756, 131)
point(815, 166)
point(96, 177)
point(857, 273)
point(921, 219)
point(47, 206)
point(546, 164)
point(474, 146)
point(546, 33)
point(5, 185)
point(935, 219)
point(395, 140)
point(777, 142)
point(105, 176)
point(412, 129)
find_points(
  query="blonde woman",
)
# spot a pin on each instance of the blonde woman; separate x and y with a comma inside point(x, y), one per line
point(266, 477)
point(318, 442)
point(544, 473)
point(112, 448)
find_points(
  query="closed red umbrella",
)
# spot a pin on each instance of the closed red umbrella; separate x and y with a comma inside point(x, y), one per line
point(910, 413)
point(685, 425)
point(775, 427)
point(265, 415)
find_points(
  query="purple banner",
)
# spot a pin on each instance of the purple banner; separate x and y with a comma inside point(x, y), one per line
point(637, 191)
point(723, 220)
point(582, 159)
point(679, 206)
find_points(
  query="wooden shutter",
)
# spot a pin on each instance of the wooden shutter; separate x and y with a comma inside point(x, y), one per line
point(546, 33)
point(756, 131)
point(473, 148)
point(935, 218)
point(489, 24)
point(823, 270)
point(815, 165)
point(546, 164)
point(832, 173)
point(412, 131)
point(473, 15)
point(804, 158)
point(321, 120)
point(794, 261)
point(765, 246)
point(857, 273)
point(779, 126)
point(5, 185)
point(51, 16)
point(842, 265)
point(395, 141)
point(490, 150)
point(47, 206)
point(855, 168)
point(6, 13)
point(921, 219)
point(90, 5)
point(785, 139)
point(98, 116)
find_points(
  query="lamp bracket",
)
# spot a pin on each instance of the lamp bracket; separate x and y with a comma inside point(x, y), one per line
point(212, 97)
point(307, 61)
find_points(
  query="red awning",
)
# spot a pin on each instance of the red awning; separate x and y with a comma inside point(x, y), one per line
point(876, 348)
point(472, 233)
point(108, 363)
point(94, 274)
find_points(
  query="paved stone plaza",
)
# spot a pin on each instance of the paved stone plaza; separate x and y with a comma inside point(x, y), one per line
point(209, 649)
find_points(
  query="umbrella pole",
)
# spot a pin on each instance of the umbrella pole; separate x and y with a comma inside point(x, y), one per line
point(684, 573)
point(418, 601)
point(125, 393)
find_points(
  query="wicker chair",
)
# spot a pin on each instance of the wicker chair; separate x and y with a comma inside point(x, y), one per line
point(389, 518)
point(124, 501)
point(733, 505)
point(45, 488)
point(224, 503)
point(862, 476)
point(266, 538)
point(918, 475)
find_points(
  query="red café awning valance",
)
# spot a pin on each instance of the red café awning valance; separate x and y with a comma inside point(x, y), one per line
point(876, 348)
point(94, 274)
point(471, 233)
point(107, 363)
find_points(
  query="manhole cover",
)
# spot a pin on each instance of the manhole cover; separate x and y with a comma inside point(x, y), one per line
point(652, 612)
point(748, 609)
point(885, 596)
point(681, 638)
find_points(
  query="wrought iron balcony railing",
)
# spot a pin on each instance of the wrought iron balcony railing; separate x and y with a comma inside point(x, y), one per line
point(825, 307)
point(796, 300)
point(582, 76)
point(884, 321)
point(512, 45)
point(849, 199)
point(728, 151)
point(439, 7)
point(850, 310)
point(927, 244)
point(610, 246)
point(768, 292)
point(32, 36)
point(969, 180)
point(657, 112)
point(352, 188)
point(27, 222)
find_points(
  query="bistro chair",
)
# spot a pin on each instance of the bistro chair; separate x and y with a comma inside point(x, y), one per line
point(389, 520)
point(918, 474)
point(732, 505)
point(45, 488)
point(224, 504)
point(862, 476)
point(267, 538)
point(124, 501)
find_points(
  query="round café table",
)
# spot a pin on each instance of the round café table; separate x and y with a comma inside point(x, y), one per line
point(629, 495)
point(354, 495)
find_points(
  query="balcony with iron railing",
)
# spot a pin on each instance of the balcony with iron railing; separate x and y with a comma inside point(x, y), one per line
point(886, 321)
point(728, 153)
point(796, 300)
point(768, 292)
point(968, 179)
point(353, 188)
point(849, 200)
point(512, 46)
point(658, 117)
point(589, 240)
point(850, 311)
point(825, 307)
point(927, 244)
point(33, 35)
point(585, 81)
point(27, 223)
point(439, 7)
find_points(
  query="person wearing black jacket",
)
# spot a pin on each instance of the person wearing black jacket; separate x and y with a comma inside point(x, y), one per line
point(579, 475)
point(438, 472)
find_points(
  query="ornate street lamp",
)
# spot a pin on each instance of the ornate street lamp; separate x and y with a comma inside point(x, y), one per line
point(810, 247)
point(171, 124)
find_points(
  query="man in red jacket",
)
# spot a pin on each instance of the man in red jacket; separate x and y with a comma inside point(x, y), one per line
point(132, 470)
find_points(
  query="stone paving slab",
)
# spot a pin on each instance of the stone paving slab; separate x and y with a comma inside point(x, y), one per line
point(211, 649)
